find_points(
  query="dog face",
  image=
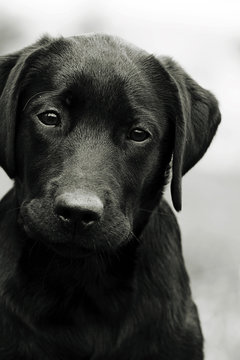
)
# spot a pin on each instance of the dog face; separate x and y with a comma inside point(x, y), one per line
point(92, 144)
point(97, 122)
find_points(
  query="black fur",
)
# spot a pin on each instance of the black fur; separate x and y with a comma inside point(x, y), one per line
point(116, 288)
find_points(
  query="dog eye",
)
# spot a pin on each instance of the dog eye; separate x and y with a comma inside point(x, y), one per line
point(138, 135)
point(49, 118)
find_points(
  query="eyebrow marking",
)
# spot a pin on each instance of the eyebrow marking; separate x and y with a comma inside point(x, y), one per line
point(35, 95)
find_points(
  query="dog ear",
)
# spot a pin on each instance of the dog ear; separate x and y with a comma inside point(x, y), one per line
point(11, 69)
point(197, 117)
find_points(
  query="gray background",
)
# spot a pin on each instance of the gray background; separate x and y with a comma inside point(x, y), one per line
point(204, 37)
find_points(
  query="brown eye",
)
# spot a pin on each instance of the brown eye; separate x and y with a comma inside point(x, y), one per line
point(50, 118)
point(138, 135)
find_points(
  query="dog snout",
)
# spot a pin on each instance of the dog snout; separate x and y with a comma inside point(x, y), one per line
point(82, 208)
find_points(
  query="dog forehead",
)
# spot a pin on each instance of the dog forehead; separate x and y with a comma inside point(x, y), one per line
point(98, 56)
point(97, 66)
point(104, 61)
point(103, 51)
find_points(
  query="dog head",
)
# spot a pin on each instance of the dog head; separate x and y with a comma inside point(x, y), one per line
point(89, 128)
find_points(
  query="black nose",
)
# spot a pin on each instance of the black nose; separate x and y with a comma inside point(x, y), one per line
point(83, 208)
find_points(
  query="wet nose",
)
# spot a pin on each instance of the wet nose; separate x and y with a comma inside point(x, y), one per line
point(82, 208)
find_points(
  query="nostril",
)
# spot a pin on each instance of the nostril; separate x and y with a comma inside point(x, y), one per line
point(88, 217)
point(63, 213)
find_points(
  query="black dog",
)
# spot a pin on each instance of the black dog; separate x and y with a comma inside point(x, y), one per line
point(91, 264)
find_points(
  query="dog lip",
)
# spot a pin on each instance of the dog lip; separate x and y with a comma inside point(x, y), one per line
point(70, 249)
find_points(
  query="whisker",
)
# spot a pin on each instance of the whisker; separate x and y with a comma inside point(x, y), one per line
point(13, 209)
point(47, 270)
point(33, 246)
point(154, 211)
point(134, 236)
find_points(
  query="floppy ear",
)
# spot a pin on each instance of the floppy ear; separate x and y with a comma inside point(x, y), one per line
point(11, 69)
point(197, 117)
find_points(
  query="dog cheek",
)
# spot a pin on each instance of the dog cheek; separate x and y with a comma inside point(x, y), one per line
point(37, 221)
point(137, 180)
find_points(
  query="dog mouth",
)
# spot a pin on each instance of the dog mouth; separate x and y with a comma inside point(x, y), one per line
point(70, 250)
point(106, 238)
point(67, 248)
point(75, 250)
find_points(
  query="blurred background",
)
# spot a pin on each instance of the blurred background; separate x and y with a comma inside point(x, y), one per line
point(204, 37)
